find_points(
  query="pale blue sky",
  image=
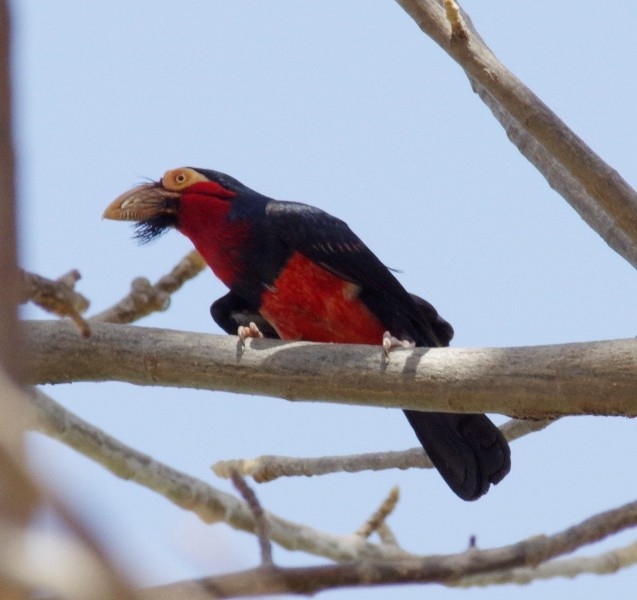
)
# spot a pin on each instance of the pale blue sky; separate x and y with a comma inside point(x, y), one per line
point(348, 106)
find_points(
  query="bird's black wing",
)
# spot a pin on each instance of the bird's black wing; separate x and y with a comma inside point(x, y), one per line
point(330, 242)
point(468, 450)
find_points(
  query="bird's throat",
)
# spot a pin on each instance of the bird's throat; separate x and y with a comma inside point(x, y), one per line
point(220, 241)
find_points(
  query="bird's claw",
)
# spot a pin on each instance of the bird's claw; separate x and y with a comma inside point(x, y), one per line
point(251, 331)
point(390, 342)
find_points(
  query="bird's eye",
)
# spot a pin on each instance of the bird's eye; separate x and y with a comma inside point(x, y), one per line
point(177, 180)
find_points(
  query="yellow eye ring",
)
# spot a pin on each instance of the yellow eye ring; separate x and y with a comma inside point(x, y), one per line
point(177, 180)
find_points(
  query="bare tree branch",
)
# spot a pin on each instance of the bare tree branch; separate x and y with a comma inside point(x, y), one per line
point(586, 378)
point(208, 503)
point(57, 296)
point(378, 520)
point(602, 564)
point(269, 467)
point(60, 298)
point(595, 378)
point(145, 298)
point(261, 529)
point(595, 190)
point(447, 569)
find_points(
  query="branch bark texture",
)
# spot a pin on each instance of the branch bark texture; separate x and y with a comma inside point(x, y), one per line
point(447, 569)
point(598, 378)
point(596, 191)
point(207, 502)
point(269, 468)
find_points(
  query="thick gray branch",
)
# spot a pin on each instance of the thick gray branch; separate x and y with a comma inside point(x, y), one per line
point(586, 378)
point(596, 191)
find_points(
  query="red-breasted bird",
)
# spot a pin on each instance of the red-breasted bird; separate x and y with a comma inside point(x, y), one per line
point(302, 274)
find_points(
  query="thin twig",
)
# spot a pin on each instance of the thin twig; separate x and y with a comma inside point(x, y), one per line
point(270, 467)
point(386, 535)
point(377, 519)
point(458, 31)
point(261, 527)
point(146, 298)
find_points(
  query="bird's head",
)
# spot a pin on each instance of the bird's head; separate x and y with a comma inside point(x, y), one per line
point(212, 209)
point(184, 198)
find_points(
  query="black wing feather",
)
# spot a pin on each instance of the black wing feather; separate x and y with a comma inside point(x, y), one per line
point(330, 242)
point(468, 450)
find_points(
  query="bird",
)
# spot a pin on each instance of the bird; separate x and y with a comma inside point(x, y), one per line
point(295, 272)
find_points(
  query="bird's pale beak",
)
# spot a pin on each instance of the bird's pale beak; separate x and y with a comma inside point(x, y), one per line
point(141, 203)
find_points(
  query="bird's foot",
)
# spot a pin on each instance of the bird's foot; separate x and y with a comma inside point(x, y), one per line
point(390, 342)
point(251, 331)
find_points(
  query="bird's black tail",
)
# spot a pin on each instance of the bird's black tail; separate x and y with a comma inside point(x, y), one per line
point(469, 451)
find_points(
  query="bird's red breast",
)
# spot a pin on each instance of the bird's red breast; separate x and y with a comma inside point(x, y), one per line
point(307, 302)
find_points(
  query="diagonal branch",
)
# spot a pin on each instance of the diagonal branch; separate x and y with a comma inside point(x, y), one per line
point(261, 529)
point(377, 521)
point(208, 503)
point(594, 189)
point(540, 381)
point(146, 298)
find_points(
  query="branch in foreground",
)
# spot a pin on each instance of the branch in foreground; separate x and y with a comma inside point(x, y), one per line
point(10, 351)
point(595, 190)
point(269, 467)
point(446, 569)
point(145, 298)
point(22, 545)
point(208, 503)
point(534, 382)
point(57, 296)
